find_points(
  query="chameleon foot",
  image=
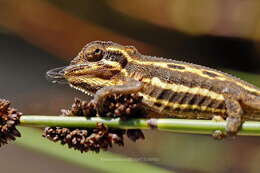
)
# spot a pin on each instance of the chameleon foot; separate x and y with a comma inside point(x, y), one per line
point(218, 118)
point(218, 134)
point(233, 125)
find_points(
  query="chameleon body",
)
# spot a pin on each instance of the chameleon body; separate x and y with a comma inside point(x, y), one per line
point(169, 88)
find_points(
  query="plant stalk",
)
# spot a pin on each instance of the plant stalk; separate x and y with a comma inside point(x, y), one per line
point(249, 128)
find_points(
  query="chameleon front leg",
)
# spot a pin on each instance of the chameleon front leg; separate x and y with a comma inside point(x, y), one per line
point(129, 87)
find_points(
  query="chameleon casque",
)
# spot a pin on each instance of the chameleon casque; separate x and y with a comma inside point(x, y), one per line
point(169, 88)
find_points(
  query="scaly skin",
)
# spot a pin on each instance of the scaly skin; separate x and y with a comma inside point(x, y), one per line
point(169, 88)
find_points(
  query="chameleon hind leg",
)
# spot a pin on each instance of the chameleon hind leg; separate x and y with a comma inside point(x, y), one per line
point(131, 86)
point(233, 120)
point(235, 110)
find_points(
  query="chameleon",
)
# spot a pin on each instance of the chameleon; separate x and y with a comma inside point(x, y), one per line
point(169, 88)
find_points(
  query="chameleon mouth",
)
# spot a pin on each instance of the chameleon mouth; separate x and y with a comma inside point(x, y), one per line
point(85, 91)
point(76, 68)
point(56, 75)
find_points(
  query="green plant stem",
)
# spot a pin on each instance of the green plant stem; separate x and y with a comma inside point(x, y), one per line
point(249, 128)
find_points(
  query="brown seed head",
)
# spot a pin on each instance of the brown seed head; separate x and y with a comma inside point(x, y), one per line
point(9, 118)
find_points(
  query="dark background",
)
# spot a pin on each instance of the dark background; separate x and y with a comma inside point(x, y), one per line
point(37, 35)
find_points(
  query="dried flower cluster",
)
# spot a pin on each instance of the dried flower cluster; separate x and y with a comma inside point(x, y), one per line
point(9, 118)
point(85, 139)
point(123, 106)
point(101, 137)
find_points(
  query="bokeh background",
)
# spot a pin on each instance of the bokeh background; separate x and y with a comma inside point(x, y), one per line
point(37, 35)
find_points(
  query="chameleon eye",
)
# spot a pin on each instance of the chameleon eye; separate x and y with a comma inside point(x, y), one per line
point(96, 55)
point(97, 51)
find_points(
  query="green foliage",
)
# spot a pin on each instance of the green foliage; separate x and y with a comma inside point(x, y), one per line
point(103, 162)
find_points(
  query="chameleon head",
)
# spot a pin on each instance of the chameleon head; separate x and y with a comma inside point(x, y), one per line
point(97, 65)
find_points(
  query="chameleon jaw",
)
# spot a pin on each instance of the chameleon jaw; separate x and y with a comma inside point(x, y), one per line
point(89, 93)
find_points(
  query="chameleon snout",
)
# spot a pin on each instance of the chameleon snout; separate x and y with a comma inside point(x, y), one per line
point(56, 75)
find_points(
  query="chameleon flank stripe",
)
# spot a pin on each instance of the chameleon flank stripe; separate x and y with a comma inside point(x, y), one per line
point(174, 106)
point(184, 89)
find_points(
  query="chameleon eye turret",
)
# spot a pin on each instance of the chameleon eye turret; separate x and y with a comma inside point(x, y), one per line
point(92, 52)
point(169, 88)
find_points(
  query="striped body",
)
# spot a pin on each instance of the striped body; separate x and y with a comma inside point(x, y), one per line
point(174, 88)
point(175, 102)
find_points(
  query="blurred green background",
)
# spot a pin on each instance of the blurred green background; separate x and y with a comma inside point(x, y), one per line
point(37, 35)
